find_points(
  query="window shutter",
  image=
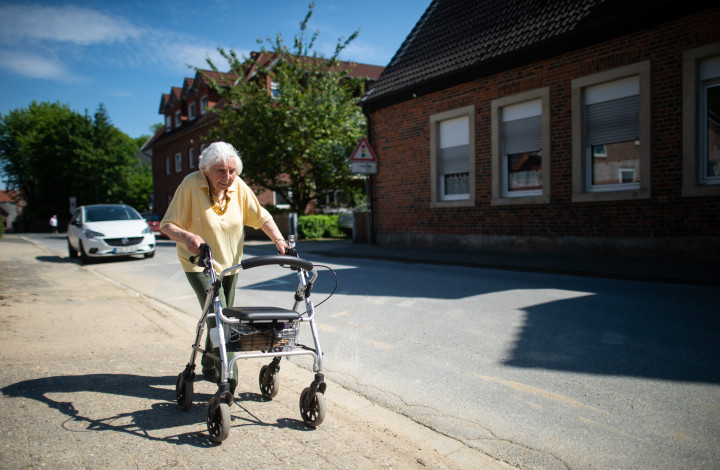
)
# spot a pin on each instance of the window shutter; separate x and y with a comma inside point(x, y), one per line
point(522, 135)
point(612, 121)
point(454, 160)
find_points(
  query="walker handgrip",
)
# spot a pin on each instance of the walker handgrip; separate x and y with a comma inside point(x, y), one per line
point(277, 259)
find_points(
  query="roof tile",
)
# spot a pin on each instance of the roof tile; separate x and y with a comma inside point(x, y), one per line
point(453, 36)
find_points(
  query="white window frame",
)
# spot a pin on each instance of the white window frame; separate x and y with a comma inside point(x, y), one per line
point(436, 186)
point(203, 105)
point(168, 165)
point(168, 123)
point(280, 201)
point(500, 194)
point(274, 90)
point(191, 111)
point(178, 119)
point(178, 162)
point(191, 157)
point(694, 183)
point(582, 190)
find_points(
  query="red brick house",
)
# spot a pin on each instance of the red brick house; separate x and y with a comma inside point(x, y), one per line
point(563, 126)
point(175, 148)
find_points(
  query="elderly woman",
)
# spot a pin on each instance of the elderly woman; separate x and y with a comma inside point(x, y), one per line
point(213, 206)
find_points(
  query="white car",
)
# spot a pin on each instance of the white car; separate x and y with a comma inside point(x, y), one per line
point(109, 230)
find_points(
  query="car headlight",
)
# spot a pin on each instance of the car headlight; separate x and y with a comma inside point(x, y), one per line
point(92, 234)
point(147, 230)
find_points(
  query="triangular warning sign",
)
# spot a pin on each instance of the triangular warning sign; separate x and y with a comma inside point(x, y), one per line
point(363, 152)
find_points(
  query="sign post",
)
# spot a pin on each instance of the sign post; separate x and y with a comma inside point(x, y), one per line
point(364, 161)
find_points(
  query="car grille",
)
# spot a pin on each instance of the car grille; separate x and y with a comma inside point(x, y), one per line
point(127, 241)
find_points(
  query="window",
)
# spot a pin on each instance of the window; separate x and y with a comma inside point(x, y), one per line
point(167, 165)
point(611, 134)
point(178, 162)
point(178, 119)
point(282, 198)
point(191, 157)
point(520, 148)
point(452, 156)
point(191, 111)
point(274, 90)
point(168, 123)
point(701, 121)
point(203, 104)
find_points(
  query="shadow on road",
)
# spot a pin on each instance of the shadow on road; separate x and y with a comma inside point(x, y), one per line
point(608, 327)
point(164, 414)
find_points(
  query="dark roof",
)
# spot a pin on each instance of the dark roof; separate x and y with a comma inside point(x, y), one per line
point(353, 69)
point(454, 37)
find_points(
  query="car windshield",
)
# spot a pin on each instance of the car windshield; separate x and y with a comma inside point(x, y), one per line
point(105, 213)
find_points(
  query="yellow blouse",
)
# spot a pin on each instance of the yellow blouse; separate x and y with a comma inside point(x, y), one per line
point(190, 210)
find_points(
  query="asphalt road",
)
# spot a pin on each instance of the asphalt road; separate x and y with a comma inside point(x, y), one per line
point(538, 370)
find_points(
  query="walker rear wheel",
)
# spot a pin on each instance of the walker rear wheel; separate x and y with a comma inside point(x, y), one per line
point(184, 392)
point(269, 382)
point(312, 411)
point(218, 419)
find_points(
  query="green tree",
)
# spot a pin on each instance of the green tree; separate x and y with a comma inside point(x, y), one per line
point(50, 153)
point(298, 137)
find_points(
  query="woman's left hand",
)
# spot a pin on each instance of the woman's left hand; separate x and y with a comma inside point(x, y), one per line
point(281, 246)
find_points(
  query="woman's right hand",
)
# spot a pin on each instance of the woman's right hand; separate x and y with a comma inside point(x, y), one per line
point(193, 243)
point(178, 235)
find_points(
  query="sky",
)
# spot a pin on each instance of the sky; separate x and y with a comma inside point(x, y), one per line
point(125, 54)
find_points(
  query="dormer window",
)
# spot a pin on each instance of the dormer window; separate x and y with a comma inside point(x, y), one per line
point(274, 90)
point(191, 111)
point(203, 104)
point(168, 123)
point(178, 120)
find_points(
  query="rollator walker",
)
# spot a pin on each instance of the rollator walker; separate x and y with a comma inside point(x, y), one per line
point(254, 332)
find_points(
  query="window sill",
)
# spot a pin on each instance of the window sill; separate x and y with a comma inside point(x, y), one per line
point(450, 204)
point(602, 196)
point(511, 201)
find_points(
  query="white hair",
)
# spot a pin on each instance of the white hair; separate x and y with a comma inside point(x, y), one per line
point(218, 152)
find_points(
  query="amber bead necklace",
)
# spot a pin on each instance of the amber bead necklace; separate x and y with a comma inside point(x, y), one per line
point(215, 208)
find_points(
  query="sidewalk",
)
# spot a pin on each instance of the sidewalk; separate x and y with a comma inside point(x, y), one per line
point(637, 269)
point(87, 375)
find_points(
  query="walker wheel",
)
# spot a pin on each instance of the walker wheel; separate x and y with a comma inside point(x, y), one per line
point(269, 382)
point(312, 411)
point(184, 392)
point(218, 419)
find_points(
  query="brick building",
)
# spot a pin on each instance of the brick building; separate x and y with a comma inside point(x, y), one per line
point(175, 147)
point(561, 126)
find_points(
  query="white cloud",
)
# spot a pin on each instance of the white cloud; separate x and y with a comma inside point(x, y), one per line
point(184, 55)
point(19, 23)
point(47, 42)
point(34, 66)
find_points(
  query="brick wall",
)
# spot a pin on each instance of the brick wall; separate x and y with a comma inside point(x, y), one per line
point(667, 221)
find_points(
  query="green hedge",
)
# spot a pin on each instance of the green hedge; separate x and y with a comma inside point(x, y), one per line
point(318, 226)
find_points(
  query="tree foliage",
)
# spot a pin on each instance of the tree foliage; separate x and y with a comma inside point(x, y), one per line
point(295, 140)
point(49, 153)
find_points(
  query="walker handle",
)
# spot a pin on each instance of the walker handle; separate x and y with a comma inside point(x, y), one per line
point(203, 258)
point(278, 260)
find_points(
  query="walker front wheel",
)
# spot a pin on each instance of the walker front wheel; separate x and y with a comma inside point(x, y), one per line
point(312, 409)
point(218, 419)
point(269, 382)
point(184, 391)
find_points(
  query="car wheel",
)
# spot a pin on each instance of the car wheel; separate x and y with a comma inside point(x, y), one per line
point(71, 251)
point(149, 255)
point(83, 255)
